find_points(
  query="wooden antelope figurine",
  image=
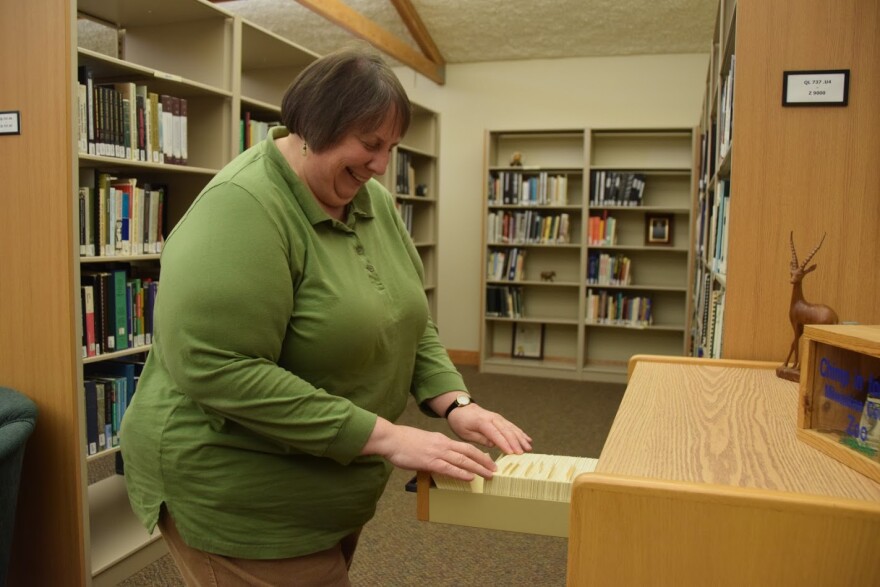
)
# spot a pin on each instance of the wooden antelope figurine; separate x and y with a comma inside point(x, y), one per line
point(801, 311)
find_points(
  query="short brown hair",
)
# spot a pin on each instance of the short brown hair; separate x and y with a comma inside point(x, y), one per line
point(346, 90)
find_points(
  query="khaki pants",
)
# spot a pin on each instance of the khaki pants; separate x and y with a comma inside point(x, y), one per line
point(328, 568)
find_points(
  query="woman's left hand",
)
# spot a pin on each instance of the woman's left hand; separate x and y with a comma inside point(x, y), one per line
point(476, 424)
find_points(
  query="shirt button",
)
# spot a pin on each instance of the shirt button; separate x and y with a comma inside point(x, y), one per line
point(359, 249)
point(370, 268)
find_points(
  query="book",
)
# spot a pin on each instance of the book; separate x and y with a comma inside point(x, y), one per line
point(84, 76)
point(142, 97)
point(184, 157)
point(155, 114)
point(176, 138)
point(123, 375)
point(126, 216)
point(129, 96)
point(96, 282)
point(91, 401)
point(88, 311)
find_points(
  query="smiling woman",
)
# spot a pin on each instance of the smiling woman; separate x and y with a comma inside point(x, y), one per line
point(291, 330)
point(344, 118)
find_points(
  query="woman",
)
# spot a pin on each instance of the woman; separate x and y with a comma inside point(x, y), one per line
point(291, 329)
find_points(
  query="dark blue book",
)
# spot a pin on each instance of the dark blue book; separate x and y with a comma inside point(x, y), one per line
point(91, 400)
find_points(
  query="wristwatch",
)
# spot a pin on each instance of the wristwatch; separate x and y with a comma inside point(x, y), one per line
point(460, 401)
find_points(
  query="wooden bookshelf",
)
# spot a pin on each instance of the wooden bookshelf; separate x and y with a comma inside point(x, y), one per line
point(577, 345)
point(809, 170)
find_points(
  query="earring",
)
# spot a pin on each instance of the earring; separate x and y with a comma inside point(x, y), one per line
point(305, 148)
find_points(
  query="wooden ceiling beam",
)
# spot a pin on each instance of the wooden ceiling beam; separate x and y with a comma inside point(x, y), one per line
point(362, 27)
point(418, 30)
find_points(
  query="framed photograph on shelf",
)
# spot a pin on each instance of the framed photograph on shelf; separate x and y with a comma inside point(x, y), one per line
point(658, 229)
point(528, 340)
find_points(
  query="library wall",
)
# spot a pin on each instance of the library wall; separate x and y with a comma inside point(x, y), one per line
point(610, 92)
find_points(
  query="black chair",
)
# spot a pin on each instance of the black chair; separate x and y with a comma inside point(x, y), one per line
point(18, 415)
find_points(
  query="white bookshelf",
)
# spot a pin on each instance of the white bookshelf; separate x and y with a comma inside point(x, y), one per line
point(417, 200)
point(225, 67)
point(119, 542)
point(574, 346)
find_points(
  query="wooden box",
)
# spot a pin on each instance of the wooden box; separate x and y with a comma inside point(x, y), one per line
point(840, 376)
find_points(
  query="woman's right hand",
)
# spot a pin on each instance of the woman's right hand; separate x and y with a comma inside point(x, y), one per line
point(417, 450)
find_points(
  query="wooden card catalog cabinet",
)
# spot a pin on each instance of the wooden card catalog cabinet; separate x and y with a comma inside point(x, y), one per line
point(840, 394)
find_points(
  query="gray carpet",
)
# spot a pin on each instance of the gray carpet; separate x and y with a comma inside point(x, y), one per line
point(395, 549)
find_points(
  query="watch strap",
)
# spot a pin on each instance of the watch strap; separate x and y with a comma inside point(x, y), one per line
point(462, 400)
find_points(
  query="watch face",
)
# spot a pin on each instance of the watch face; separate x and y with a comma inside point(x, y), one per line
point(462, 400)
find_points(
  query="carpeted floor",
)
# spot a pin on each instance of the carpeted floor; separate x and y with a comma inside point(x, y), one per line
point(562, 417)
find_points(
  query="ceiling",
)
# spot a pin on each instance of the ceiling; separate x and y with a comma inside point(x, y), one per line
point(467, 31)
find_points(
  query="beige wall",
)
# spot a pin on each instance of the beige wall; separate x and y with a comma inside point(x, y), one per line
point(639, 91)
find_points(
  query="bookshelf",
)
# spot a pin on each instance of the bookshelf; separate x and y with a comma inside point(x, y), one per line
point(807, 170)
point(223, 66)
point(268, 64)
point(187, 50)
point(587, 323)
point(712, 208)
point(412, 178)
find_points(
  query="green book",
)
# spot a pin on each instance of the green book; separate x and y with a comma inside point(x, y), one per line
point(120, 306)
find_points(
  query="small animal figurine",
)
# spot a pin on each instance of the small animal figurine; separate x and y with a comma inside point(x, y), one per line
point(516, 159)
point(548, 276)
point(802, 312)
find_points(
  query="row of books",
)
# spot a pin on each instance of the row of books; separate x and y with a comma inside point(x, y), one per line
point(504, 301)
point(108, 389)
point(617, 188)
point(127, 121)
point(506, 265)
point(536, 189)
point(251, 132)
point(117, 311)
point(406, 214)
point(604, 307)
point(602, 230)
point(121, 217)
point(710, 309)
point(725, 118)
point(405, 176)
point(528, 227)
point(605, 269)
point(712, 227)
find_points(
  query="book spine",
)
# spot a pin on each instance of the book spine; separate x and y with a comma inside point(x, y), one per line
point(88, 297)
point(91, 404)
point(167, 129)
point(184, 157)
point(155, 113)
point(120, 310)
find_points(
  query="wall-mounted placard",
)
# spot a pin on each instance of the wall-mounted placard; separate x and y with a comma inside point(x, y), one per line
point(815, 88)
point(10, 122)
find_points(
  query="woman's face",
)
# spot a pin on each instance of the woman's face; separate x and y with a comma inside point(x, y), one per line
point(336, 174)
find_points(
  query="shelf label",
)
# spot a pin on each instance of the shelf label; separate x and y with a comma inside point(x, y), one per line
point(815, 88)
point(10, 122)
point(168, 76)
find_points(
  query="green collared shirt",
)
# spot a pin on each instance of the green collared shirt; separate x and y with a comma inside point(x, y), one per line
point(280, 335)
